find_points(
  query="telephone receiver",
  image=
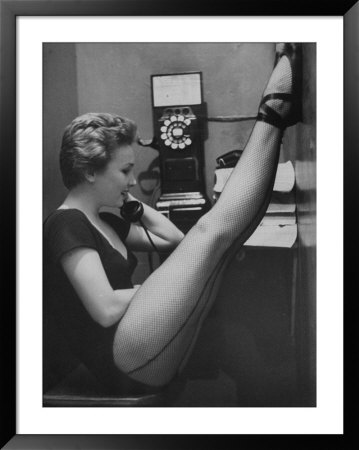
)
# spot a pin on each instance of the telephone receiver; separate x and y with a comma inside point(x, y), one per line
point(228, 159)
point(132, 211)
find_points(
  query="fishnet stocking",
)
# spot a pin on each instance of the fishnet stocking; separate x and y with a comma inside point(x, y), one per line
point(155, 336)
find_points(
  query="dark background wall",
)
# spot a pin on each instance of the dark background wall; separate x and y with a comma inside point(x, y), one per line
point(264, 319)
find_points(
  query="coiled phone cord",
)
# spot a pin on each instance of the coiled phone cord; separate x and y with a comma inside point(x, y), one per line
point(133, 211)
point(149, 237)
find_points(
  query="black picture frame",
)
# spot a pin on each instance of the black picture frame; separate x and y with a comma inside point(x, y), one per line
point(9, 10)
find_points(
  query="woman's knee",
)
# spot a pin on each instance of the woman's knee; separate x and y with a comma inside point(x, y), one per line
point(214, 229)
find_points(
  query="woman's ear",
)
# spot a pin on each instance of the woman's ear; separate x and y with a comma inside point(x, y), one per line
point(90, 175)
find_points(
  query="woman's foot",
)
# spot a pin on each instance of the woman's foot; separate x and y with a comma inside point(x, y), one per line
point(279, 105)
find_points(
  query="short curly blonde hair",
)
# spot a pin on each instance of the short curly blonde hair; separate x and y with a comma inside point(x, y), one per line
point(89, 141)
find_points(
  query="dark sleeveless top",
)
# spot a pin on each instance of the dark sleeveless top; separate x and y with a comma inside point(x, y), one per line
point(65, 230)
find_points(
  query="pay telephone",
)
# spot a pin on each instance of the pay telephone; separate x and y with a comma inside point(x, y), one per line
point(179, 114)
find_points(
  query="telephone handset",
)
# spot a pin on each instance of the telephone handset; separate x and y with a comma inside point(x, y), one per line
point(228, 159)
point(132, 211)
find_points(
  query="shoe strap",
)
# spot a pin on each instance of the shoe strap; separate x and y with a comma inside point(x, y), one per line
point(270, 116)
point(276, 96)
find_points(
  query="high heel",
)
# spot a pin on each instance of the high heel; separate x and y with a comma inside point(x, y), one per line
point(266, 113)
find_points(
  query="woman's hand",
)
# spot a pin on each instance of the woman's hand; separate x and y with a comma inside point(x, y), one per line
point(165, 235)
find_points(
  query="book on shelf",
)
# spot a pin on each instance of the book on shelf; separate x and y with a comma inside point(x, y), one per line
point(273, 236)
point(278, 228)
point(278, 219)
point(281, 209)
point(282, 203)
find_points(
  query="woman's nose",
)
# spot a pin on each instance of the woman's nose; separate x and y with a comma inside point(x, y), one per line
point(133, 182)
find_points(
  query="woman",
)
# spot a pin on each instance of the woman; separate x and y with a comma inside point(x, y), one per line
point(139, 338)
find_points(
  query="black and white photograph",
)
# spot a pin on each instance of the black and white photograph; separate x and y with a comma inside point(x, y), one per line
point(176, 181)
point(179, 234)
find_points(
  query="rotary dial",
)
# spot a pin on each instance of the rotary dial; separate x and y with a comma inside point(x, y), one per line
point(175, 132)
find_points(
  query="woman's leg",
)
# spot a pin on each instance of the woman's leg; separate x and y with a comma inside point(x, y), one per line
point(157, 332)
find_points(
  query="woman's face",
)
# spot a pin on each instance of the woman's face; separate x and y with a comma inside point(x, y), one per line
point(113, 183)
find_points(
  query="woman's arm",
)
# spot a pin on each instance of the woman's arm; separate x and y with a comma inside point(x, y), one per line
point(163, 232)
point(84, 269)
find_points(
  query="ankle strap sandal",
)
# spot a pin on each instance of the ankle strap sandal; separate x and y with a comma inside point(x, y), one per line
point(266, 113)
